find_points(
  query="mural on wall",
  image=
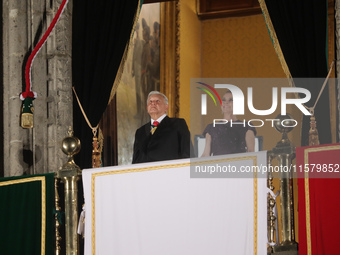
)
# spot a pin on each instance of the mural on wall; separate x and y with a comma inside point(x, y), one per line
point(140, 76)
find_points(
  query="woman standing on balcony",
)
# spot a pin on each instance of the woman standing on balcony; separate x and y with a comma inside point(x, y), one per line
point(228, 138)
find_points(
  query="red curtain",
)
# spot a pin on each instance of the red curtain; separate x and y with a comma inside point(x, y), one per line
point(319, 200)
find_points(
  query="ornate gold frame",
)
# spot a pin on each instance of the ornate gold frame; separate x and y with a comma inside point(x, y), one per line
point(169, 73)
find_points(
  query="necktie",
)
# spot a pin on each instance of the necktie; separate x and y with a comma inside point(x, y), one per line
point(154, 126)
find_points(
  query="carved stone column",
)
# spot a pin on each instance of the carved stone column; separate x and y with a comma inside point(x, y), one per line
point(36, 150)
point(14, 49)
point(59, 84)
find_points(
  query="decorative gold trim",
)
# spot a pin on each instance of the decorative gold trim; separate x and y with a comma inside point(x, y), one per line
point(152, 168)
point(169, 51)
point(178, 48)
point(307, 202)
point(239, 12)
point(43, 203)
point(276, 43)
point(56, 220)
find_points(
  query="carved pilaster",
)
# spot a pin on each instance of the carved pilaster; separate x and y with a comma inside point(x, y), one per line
point(14, 18)
point(59, 92)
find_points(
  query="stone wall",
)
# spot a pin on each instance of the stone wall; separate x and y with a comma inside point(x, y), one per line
point(37, 150)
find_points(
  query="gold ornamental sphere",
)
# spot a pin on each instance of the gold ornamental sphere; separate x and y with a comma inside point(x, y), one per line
point(287, 121)
point(70, 145)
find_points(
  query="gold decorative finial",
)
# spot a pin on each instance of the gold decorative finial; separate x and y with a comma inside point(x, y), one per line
point(70, 146)
point(284, 129)
point(70, 131)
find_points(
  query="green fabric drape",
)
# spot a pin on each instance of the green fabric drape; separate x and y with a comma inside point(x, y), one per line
point(26, 215)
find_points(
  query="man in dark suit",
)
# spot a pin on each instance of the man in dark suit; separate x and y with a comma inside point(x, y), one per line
point(162, 138)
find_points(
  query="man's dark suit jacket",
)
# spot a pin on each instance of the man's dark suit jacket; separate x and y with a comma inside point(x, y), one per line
point(171, 140)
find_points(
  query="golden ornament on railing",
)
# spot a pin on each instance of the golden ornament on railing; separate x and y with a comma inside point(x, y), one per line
point(284, 153)
point(69, 174)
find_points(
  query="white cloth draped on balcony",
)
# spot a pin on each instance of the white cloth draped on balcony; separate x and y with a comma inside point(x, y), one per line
point(156, 208)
